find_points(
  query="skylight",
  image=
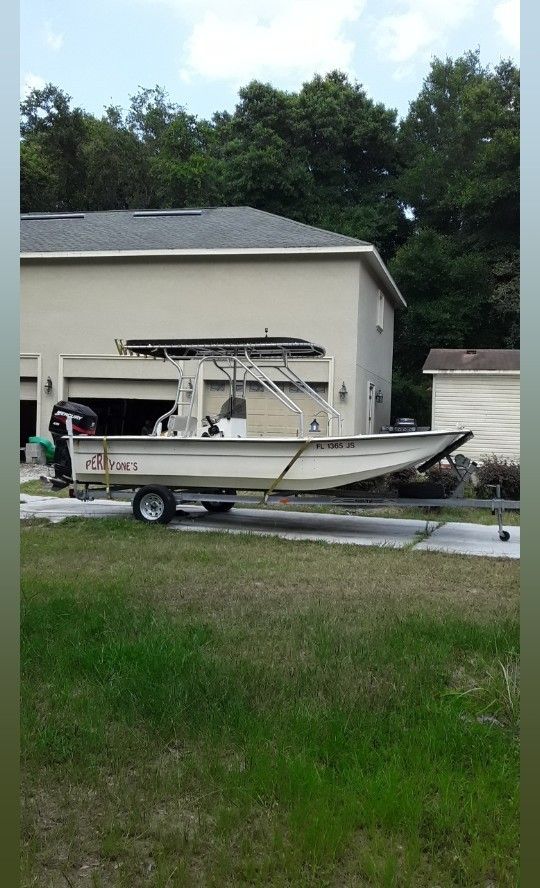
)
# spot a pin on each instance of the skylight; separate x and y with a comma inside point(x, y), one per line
point(168, 213)
point(43, 217)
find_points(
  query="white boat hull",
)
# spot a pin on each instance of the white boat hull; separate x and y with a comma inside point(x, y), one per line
point(251, 463)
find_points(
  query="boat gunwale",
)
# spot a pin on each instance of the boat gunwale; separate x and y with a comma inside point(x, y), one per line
point(286, 440)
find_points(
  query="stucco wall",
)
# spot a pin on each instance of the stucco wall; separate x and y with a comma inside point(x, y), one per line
point(81, 306)
point(374, 350)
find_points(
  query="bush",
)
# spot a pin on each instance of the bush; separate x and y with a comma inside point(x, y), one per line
point(499, 471)
point(443, 475)
point(384, 485)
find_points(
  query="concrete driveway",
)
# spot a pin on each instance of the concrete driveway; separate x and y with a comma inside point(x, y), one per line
point(359, 530)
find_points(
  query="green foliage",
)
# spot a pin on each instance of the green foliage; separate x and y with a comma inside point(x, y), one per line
point(496, 470)
point(459, 268)
point(53, 135)
point(437, 193)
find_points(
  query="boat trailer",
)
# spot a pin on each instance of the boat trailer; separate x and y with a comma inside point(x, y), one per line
point(222, 501)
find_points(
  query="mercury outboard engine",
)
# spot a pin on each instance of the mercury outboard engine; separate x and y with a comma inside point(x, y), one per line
point(84, 422)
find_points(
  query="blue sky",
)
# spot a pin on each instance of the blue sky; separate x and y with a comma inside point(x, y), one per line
point(202, 51)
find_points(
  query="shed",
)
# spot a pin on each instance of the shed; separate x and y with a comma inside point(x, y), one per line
point(477, 389)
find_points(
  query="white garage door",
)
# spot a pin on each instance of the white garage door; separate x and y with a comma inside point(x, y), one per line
point(266, 416)
point(143, 389)
point(28, 389)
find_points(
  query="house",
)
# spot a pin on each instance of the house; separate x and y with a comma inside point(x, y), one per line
point(90, 278)
point(477, 389)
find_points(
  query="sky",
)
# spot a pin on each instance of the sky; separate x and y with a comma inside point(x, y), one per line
point(202, 51)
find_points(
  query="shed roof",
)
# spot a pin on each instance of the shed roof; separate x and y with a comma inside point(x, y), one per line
point(479, 359)
point(208, 228)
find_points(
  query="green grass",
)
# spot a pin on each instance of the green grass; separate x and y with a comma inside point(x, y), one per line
point(217, 711)
point(36, 488)
point(439, 514)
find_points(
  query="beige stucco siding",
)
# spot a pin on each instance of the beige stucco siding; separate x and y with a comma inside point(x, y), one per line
point(81, 306)
point(487, 403)
point(374, 350)
point(78, 307)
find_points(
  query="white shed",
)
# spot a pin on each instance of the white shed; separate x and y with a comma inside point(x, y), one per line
point(477, 389)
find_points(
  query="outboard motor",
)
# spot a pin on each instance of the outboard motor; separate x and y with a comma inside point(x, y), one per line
point(84, 422)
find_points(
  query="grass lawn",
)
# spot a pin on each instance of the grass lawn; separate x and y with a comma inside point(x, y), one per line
point(208, 710)
point(36, 488)
point(439, 514)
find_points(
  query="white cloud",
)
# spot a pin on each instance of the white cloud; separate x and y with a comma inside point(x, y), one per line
point(506, 14)
point(52, 39)
point(244, 39)
point(419, 28)
point(30, 82)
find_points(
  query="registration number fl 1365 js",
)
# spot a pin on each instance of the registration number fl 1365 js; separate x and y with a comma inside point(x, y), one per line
point(335, 445)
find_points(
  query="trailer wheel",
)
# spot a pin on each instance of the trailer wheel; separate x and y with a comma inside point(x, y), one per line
point(219, 507)
point(154, 504)
point(504, 535)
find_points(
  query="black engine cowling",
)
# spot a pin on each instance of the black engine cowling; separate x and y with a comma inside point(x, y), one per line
point(84, 422)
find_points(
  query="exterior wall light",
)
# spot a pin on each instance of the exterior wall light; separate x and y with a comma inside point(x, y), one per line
point(314, 427)
point(379, 396)
point(47, 388)
point(343, 392)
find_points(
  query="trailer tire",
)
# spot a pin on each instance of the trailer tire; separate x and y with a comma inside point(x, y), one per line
point(219, 507)
point(154, 504)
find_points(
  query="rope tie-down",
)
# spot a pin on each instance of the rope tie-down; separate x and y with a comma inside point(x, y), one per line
point(106, 464)
point(289, 465)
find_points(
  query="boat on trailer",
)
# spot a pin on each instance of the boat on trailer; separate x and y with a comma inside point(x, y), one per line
point(216, 454)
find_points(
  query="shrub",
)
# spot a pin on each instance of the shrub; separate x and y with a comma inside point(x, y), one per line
point(443, 475)
point(499, 471)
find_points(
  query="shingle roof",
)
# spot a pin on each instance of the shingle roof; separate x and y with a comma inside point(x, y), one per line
point(211, 228)
point(472, 359)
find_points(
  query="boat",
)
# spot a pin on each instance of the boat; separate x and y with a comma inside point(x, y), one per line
point(217, 454)
point(252, 463)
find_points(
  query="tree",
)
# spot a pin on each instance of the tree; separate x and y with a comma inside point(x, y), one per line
point(459, 269)
point(53, 135)
point(39, 180)
point(353, 151)
point(327, 156)
point(461, 142)
point(180, 163)
point(262, 162)
point(116, 170)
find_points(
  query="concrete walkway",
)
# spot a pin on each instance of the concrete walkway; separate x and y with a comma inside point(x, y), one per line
point(360, 530)
point(472, 539)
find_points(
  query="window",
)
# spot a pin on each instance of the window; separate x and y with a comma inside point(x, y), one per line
point(380, 311)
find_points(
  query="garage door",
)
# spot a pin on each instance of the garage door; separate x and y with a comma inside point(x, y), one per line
point(266, 416)
point(28, 389)
point(142, 389)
